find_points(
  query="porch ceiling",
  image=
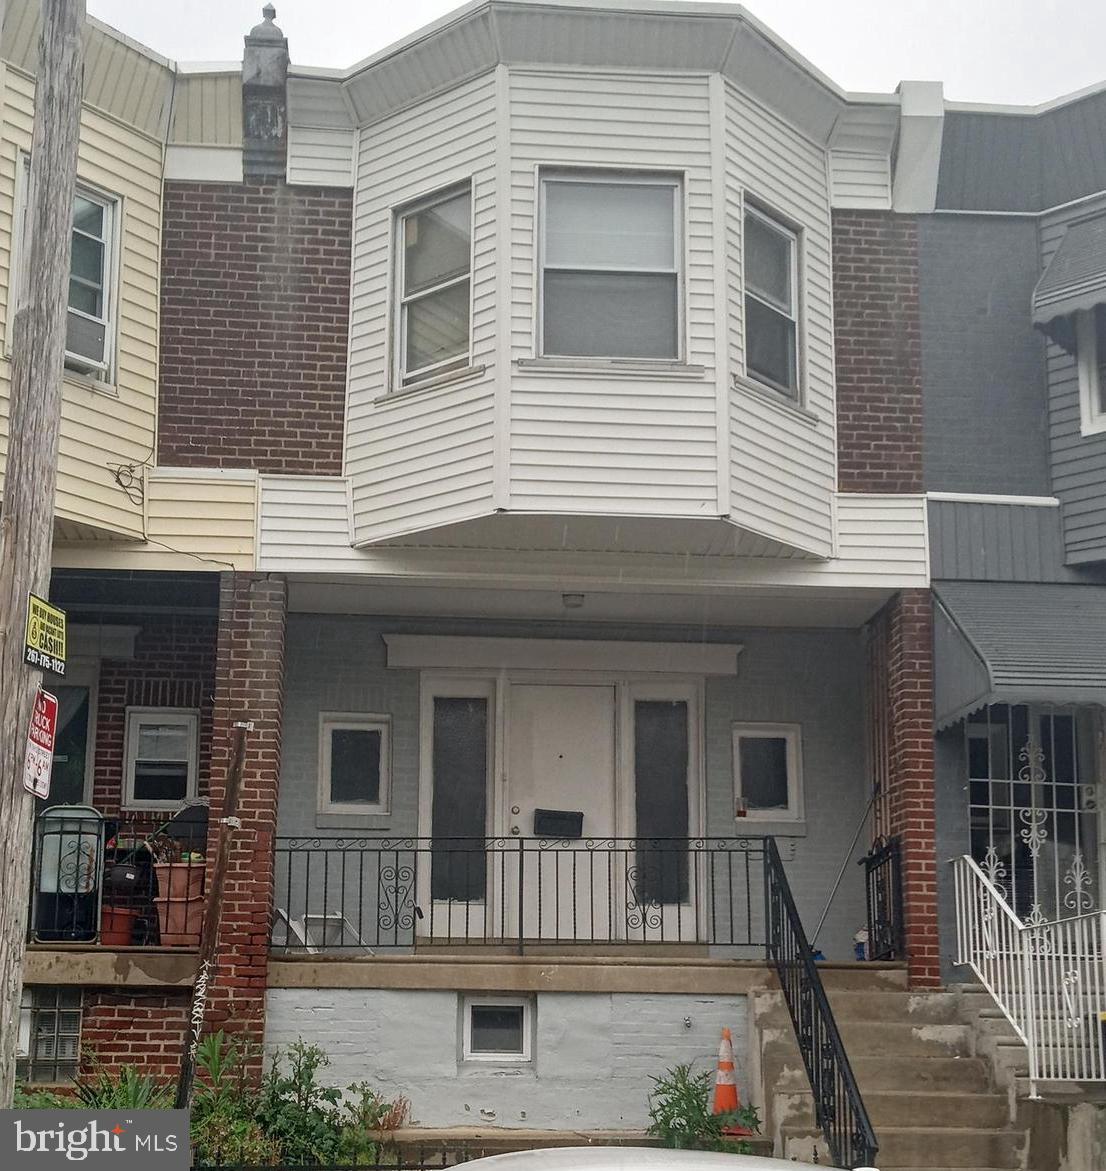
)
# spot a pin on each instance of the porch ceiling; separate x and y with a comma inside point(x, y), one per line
point(777, 607)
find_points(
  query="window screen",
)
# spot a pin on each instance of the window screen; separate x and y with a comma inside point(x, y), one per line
point(771, 326)
point(459, 808)
point(497, 1028)
point(764, 782)
point(609, 268)
point(355, 766)
point(162, 755)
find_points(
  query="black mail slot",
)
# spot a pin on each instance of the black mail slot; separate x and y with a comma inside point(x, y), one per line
point(558, 823)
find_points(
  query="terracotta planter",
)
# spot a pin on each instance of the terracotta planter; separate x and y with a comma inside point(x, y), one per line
point(180, 921)
point(179, 880)
point(117, 926)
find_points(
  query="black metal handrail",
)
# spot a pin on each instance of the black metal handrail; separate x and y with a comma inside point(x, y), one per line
point(367, 893)
point(838, 1106)
point(883, 884)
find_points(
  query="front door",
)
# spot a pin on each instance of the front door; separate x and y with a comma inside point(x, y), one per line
point(560, 773)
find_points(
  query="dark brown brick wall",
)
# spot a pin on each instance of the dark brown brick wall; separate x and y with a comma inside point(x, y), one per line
point(902, 643)
point(254, 325)
point(142, 1029)
point(877, 338)
point(173, 666)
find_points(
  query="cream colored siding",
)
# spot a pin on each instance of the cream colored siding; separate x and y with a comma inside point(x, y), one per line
point(782, 465)
point(320, 158)
point(197, 519)
point(207, 110)
point(616, 445)
point(424, 459)
point(109, 425)
point(860, 180)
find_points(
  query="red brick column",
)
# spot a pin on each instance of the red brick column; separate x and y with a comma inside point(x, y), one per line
point(249, 686)
point(905, 629)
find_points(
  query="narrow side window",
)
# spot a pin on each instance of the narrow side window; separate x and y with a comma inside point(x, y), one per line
point(771, 302)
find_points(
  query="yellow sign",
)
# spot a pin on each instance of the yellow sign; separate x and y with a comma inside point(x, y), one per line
point(45, 635)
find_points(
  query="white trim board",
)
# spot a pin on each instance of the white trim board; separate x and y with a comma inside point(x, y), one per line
point(557, 654)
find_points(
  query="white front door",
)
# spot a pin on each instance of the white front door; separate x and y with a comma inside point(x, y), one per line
point(560, 763)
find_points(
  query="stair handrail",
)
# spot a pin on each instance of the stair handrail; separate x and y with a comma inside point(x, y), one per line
point(838, 1106)
point(1048, 978)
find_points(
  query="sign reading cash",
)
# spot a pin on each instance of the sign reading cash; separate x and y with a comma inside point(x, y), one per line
point(45, 636)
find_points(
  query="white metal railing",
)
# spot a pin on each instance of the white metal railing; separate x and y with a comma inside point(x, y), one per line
point(1048, 978)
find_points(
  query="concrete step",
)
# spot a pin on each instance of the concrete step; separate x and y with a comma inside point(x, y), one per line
point(890, 1039)
point(863, 977)
point(936, 1108)
point(961, 1074)
point(934, 1008)
point(918, 1146)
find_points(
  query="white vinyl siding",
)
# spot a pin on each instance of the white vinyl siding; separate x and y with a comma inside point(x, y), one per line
point(319, 157)
point(860, 179)
point(628, 442)
point(424, 459)
point(782, 465)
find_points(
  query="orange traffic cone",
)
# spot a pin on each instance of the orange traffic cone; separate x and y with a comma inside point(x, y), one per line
point(726, 1097)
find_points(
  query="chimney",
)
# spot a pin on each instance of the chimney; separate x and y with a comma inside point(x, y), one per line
point(265, 99)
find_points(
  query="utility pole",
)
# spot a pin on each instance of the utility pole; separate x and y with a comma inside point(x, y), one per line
point(27, 512)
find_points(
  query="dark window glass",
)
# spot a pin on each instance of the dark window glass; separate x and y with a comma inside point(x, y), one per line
point(764, 772)
point(770, 344)
point(497, 1028)
point(459, 809)
point(355, 766)
point(660, 799)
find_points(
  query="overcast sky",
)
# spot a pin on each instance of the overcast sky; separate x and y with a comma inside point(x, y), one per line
point(1023, 51)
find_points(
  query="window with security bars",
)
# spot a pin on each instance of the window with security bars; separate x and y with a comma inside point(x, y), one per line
point(49, 1043)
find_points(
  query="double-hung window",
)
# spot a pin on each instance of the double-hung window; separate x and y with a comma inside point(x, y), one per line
point(91, 311)
point(435, 285)
point(1091, 351)
point(162, 749)
point(610, 260)
point(771, 302)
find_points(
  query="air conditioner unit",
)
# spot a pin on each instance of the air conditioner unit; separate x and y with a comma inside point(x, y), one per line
point(85, 343)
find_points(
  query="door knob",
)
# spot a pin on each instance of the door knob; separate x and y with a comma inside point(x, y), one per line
point(515, 830)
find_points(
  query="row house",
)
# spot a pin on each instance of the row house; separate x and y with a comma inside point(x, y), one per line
point(547, 433)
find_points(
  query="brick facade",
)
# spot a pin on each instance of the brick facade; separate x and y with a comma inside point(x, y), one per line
point(140, 1029)
point(173, 666)
point(901, 644)
point(249, 687)
point(877, 337)
point(254, 326)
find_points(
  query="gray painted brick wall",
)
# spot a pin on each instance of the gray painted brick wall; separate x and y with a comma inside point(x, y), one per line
point(809, 677)
point(983, 365)
point(593, 1053)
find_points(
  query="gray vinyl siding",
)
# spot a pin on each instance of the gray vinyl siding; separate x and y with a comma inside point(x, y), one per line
point(1078, 461)
point(975, 541)
point(809, 677)
point(983, 370)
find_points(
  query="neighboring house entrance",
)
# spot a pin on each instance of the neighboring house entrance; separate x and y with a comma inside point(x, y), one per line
point(560, 806)
point(1034, 798)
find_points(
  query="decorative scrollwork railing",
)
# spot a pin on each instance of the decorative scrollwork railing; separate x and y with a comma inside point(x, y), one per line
point(366, 893)
point(838, 1106)
point(883, 887)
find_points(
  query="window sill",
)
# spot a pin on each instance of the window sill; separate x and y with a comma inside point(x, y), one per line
point(380, 821)
point(465, 374)
point(776, 829)
point(775, 398)
point(609, 368)
point(87, 382)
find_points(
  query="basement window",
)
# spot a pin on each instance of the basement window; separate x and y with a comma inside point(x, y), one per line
point(49, 1042)
point(497, 1028)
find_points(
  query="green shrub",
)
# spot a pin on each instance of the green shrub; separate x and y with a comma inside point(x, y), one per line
point(680, 1113)
point(27, 1098)
point(126, 1089)
point(224, 1104)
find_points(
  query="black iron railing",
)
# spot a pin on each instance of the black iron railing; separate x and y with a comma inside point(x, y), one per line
point(119, 882)
point(368, 893)
point(883, 883)
point(838, 1106)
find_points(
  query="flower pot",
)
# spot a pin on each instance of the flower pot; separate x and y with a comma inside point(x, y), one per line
point(180, 921)
point(117, 926)
point(179, 880)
